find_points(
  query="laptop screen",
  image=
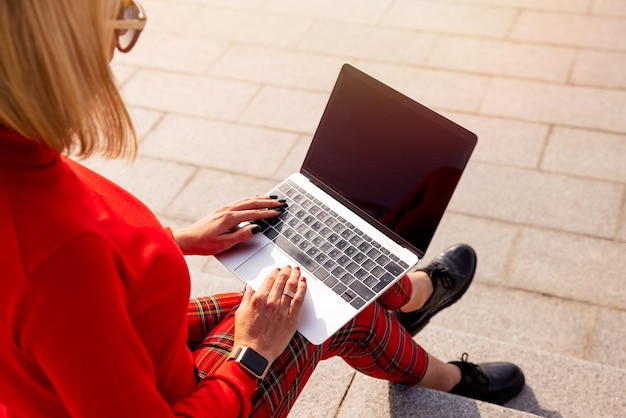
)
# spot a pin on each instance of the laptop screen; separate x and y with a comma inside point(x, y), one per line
point(388, 158)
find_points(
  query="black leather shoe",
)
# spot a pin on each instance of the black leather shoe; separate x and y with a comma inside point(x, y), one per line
point(451, 272)
point(489, 382)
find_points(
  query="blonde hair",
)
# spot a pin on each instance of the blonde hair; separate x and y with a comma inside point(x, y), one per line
point(56, 83)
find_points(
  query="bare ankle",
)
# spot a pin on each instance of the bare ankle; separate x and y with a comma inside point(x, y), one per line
point(422, 291)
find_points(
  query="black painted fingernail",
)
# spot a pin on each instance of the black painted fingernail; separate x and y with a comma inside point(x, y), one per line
point(280, 209)
point(273, 196)
point(282, 200)
point(256, 229)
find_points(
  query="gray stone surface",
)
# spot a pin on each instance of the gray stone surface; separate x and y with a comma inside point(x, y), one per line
point(556, 385)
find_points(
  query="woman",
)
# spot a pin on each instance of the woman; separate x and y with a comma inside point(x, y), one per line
point(94, 306)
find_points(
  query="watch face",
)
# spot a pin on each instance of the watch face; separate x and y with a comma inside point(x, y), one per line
point(252, 360)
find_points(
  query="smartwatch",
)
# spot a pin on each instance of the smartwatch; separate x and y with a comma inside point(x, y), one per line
point(251, 361)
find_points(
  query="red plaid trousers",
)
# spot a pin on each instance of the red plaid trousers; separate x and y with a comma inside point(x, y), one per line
point(373, 343)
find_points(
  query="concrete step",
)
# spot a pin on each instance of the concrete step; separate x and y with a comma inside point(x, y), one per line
point(556, 386)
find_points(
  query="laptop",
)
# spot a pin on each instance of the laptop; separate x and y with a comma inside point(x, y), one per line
point(373, 187)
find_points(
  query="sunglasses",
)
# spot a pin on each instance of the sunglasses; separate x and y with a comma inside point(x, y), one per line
point(129, 24)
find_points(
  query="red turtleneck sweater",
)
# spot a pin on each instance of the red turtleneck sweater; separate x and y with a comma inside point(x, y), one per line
point(93, 300)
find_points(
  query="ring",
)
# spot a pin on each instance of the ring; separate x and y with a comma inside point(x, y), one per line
point(289, 293)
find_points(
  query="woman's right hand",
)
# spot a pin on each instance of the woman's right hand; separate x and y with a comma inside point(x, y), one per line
point(267, 318)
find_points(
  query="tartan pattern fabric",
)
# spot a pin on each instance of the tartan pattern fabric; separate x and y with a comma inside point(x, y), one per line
point(373, 343)
point(206, 313)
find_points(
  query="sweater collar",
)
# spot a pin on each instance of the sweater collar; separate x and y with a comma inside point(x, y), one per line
point(16, 149)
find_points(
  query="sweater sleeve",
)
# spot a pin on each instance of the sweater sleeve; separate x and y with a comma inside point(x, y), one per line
point(75, 326)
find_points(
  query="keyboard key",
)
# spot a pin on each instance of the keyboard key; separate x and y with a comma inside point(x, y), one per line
point(325, 232)
point(373, 253)
point(343, 261)
point(383, 260)
point(393, 268)
point(384, 282)
point(361, 274)
point(348, 295)
point(359, 257)
point(318, 241)
point(370, 281)
point(378, 272)
point(355, 240)
point(352, 267)
point(338, 271)
point(335, 254)
point(346, 279)
point(339, 288)
point(322, 273)
point(313, 252)
point(330, 281)
point(357, 303)
point(362, 290)
point(329, 265)
point(271, 233)
point(304, 260)
point(368, 264)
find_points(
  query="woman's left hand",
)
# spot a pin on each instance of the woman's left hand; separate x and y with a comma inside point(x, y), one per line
point(220, 230)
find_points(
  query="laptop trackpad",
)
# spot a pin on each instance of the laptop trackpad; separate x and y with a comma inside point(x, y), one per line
point(322, 314)
point(254, 271)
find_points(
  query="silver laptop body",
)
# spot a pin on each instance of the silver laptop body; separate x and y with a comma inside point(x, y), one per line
point(377, 178)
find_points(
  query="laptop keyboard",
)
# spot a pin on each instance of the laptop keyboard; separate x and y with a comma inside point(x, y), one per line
point(344, 258)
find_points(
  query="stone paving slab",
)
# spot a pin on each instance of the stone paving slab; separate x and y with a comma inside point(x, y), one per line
point(285, 109)
point(367, 42)
point(169, 92)
point(601, 69)
point(540, 199)
point(462, 19)
point(539, 102)
point(247, 27)
point(183, 139)
point(574, 30)
point(523, 318)
point(489, 56)
point(505, 142)
point(571, 267)
point(279, 67)
point(587, 154)
point(569, 6)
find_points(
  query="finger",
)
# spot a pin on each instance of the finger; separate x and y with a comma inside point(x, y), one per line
point(291, 286)
point(268, 283)
point(276, 293)
point(256, 203)
point(231, 220)
point(296, 303)
point(239, 234)
point(245, 299)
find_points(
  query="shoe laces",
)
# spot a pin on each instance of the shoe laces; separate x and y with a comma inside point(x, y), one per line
point(473, 371)
point(440, 273)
